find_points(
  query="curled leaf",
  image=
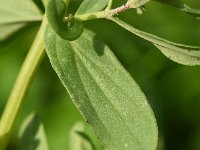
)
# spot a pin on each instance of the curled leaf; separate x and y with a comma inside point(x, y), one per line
point(67, 28)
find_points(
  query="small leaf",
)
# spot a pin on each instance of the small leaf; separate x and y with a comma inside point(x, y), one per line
point(103, 91)
point(69, 29)
point(183, 54)
point(182, 6)
point(89, 6)
point(137, 3)
point(32, 135)
point(15, 11)
point(79, 140)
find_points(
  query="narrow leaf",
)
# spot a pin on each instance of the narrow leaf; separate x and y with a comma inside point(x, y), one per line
point(182, 6)
point(32, 135)
point(103, 91)
point(89, 6)
point(183, 54)
point(12, 11)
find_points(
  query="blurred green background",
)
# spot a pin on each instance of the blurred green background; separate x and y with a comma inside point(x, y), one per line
point(173, 90)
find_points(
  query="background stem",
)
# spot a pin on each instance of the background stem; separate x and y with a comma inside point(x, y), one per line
point(25, 76)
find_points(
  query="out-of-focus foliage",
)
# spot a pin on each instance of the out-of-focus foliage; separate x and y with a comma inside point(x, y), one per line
point(14, 14)
point(172, 89)
point(183, 7)
point(32, 134)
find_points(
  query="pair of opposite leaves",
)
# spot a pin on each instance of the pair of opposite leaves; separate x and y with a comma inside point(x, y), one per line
point(67, 28)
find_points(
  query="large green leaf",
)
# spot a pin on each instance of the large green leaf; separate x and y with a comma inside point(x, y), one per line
point(183, 54)
point(32, 135)
point(89, 6)
point(12, 11)
point(103, 91)
point(182, 6)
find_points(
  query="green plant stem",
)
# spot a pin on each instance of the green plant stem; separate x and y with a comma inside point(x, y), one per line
point(109, 4)
point(25, 76)
point(91, 16)
point(107, 13)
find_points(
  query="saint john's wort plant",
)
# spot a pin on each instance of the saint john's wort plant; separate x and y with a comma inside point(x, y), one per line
point(104, 93)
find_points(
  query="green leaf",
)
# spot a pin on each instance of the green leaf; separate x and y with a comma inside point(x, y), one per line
point(103, 91)
point(182, 6)
point(32, 135)
point(137, 3)
point(7, 30)
point(69, 29)
point(14, 14)
point(79, 140)
point(183, 54)
point(89, 6)
point(15, 11)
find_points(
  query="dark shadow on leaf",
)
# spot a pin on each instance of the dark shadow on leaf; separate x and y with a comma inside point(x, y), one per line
point(98, 45)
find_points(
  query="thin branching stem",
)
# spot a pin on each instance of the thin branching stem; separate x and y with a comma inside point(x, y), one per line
point(107, 13)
